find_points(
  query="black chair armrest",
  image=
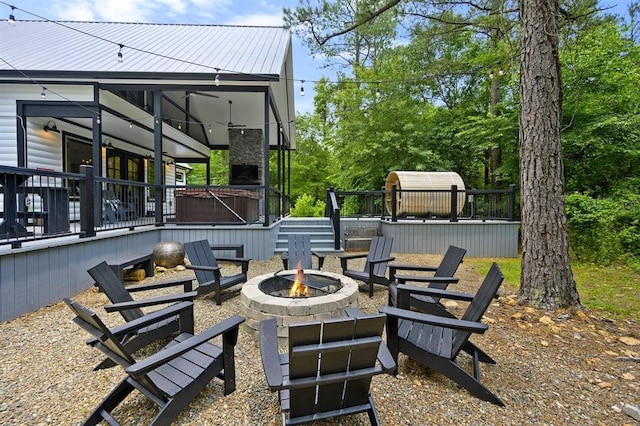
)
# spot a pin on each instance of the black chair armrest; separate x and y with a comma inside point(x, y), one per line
point(394, 267)
point(148, 319)
point(354, 312)
point(244, 263)
point(401, 279)
point(187, 283)
point(352, 256)
point(167, 354)
point(434, 292)
point(320, 257)
point(269, 353)
point(203, 268)
point(141, 303)
point(385, 358)
point(457, 324)
point(233, 259)
point(386, 259)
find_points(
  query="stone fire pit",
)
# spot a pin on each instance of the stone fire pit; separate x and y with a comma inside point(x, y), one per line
point(258, 306)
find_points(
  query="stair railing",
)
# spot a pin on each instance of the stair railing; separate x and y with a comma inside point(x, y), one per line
point(332, 211)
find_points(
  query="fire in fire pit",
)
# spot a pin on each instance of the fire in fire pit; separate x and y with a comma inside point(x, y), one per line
point(299, 285)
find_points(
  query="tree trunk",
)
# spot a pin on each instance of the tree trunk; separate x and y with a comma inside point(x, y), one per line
point(546, 280)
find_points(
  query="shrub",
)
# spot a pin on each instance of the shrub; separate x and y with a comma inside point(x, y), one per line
point(604, 230)
point(307, 206)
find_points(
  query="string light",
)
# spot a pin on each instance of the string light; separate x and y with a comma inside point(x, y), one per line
point(43, 95)
point(131, 124)
point(209, 128)
point(120, 59)
point(179, 125)
point(302, 88)
point(217, 79)
point(98, 119)
point(378, 91)
point(12, 19)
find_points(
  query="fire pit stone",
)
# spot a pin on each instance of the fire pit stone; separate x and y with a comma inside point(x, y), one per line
point(257, 305)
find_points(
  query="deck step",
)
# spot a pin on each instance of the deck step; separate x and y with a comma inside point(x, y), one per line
point(319, 229)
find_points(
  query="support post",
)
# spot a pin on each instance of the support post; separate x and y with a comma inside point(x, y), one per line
point(454, 203)
point(88, 202)
point(512, 202)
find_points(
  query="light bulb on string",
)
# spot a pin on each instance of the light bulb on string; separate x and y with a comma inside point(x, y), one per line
point(12, 19)
point(43, 94)
point(179, 125)
point(131, 124)
point(209, 128)
point(217, 79)
point(378, 91)
point(302, 88)
point(98, 119)
point(120, 59)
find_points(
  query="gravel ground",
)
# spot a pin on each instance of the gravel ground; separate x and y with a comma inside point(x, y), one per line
point(553, 369)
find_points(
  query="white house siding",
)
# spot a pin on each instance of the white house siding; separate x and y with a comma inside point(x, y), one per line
point(42, 141)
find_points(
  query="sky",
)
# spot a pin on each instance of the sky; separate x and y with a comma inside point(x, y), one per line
point(219, 12)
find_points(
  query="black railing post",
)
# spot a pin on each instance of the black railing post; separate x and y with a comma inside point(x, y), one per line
point(327, 206)
point(454, 203)
point(394, 204)
point(512, 202)
point(88, 202)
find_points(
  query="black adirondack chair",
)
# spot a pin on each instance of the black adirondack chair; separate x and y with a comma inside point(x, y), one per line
point(328, 369)
point(130, 309)
point(299, 252)
point(375, 268)
point(172, 377)
point(443, 276)
point(436, 341)
point(205, 265)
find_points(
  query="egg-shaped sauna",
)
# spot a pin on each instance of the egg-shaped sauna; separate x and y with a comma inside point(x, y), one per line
point(424, 193)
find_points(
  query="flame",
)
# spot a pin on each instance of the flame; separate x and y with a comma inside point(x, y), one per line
point(298, 289)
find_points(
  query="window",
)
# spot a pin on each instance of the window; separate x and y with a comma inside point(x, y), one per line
point(151, 179)
point(77, 152)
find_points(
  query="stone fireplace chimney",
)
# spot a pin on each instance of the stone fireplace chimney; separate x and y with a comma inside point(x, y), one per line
point(246, 148)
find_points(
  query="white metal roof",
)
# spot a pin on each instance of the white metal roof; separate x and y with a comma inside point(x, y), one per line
point(148, 48)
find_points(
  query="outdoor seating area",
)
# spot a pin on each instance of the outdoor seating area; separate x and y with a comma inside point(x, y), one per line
point(50, 369)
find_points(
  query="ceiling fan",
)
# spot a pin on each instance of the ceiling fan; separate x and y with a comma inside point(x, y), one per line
point(230, 124)
point(209, 95)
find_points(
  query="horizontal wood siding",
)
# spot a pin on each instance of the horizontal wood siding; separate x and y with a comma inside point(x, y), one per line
point(481, 239)
point(259, 242)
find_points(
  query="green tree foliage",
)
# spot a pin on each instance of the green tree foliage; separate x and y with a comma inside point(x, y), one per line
point(219, 165)
point(602, 109)
point(311, 161)
point(308, 206)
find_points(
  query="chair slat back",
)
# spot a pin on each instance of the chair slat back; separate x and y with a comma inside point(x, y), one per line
point(301, 366)
point(299, 248)
point(107, 343)
point(380, 248)
point(355, 346)
point(478, 306)
point(111, 285)
point(200, 253)
point(448, 267)
point(363, 356)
